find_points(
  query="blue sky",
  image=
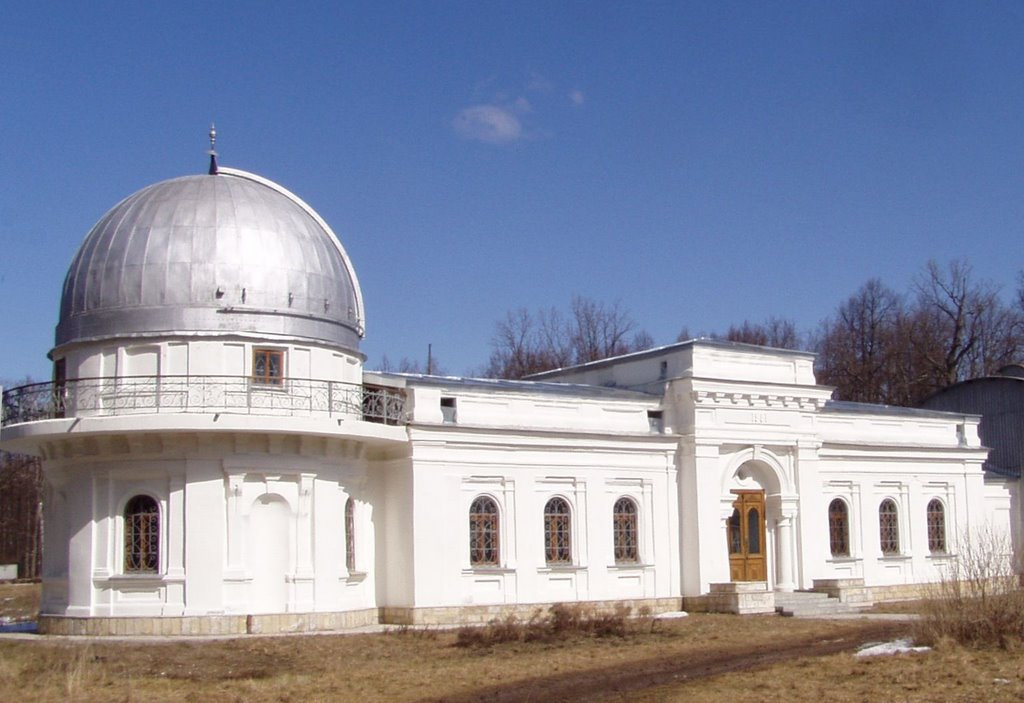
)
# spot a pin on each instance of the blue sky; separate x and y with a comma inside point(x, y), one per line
point(700, 163)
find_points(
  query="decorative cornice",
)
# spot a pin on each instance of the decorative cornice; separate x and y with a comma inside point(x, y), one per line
point(755, 400)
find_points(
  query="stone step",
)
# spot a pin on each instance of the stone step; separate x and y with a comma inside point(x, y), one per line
point(808, 605)
point(800, 597)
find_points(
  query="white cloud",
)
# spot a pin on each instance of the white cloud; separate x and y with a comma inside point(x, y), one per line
point(577, 97)
point(488, 123)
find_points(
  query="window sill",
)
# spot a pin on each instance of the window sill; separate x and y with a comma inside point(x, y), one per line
point(555, 568)
point(844, 560)
point(137, 579)
point(895, 557)
point(629, 566)
point(941, 556)
point(260, 385)
point(354, 576)
point(483, 569)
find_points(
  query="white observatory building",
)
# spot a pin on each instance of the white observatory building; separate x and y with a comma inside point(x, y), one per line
point(219, 461)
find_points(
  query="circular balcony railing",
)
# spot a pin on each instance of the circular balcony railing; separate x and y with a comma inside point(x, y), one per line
point(243, 395)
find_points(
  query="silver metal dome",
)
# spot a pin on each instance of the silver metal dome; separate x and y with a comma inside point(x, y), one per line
point(224, 254)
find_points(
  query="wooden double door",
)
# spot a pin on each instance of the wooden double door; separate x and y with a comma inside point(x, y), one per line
point(747, 554)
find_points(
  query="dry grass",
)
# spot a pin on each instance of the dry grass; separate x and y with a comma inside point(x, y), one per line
point(19, 601)
point(901, 607)
point(405, 666)
point(946, 676)
point(571, 648)
point(979, 602)
point(562, 621)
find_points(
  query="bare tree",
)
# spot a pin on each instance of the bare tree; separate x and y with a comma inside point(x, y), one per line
point(526, 343)
point(962, 329)
point(878, 348)
point(21, 490)
point(857, 347)
point(775, 332)
point(407, 365)
point(598, 331)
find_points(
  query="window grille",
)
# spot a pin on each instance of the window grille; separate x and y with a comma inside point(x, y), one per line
point(624, 532)
point(839, 528)
point(888, 527)
point(557, 532)
point(350, 535)
point(483, 532)
point(936, 526)
point(141, 535)
point(268, 366)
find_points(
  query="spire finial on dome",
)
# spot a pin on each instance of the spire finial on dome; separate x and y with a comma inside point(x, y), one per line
point(213, 152)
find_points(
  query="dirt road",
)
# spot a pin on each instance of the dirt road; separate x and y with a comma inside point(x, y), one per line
point(614, 682)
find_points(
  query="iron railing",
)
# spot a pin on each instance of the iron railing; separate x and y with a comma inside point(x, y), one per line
point(243, 395)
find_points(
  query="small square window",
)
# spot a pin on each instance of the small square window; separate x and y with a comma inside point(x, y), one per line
point(656, 421)
point(448, 411)
point(268, 366)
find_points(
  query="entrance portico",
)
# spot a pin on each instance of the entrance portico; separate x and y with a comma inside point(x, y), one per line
point(759, 514)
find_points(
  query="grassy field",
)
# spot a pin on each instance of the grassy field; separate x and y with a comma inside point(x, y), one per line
point(701, 658)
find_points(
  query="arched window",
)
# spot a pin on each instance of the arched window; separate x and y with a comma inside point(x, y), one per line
point(557, 532)
point(839, 528)
point(624, 532)
point(350, 535)
point(936, 526)
point(141, 536)
point(483, 532)
point(753, 531)
point(888, 527)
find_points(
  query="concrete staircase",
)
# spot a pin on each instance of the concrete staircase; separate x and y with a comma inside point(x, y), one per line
point(807, 604)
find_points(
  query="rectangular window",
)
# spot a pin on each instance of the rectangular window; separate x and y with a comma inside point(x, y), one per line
point(448, 411)
point(268, 366)
point(656, 421)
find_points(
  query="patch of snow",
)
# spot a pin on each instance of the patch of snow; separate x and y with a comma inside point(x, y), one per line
point(894, 647)
point(672, 615)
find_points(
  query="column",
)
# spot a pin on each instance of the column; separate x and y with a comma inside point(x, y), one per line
point(784, 577)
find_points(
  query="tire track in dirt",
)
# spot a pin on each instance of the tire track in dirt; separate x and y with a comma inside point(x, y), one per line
point(614, 681)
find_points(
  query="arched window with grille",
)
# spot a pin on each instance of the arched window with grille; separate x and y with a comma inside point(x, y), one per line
point(624, 531)
point(141, 535)
point(484, 535)
point(889, 527)
point(557, 532)
point(936, 526)
point(350, 535)
point(839, 528)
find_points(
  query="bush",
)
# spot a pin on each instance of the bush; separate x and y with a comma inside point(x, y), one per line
point(562, 621)
point(979, 601)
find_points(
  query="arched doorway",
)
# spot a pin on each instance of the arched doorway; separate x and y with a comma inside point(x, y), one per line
point(269, 553)
point(746, 534)
point(759, 507)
